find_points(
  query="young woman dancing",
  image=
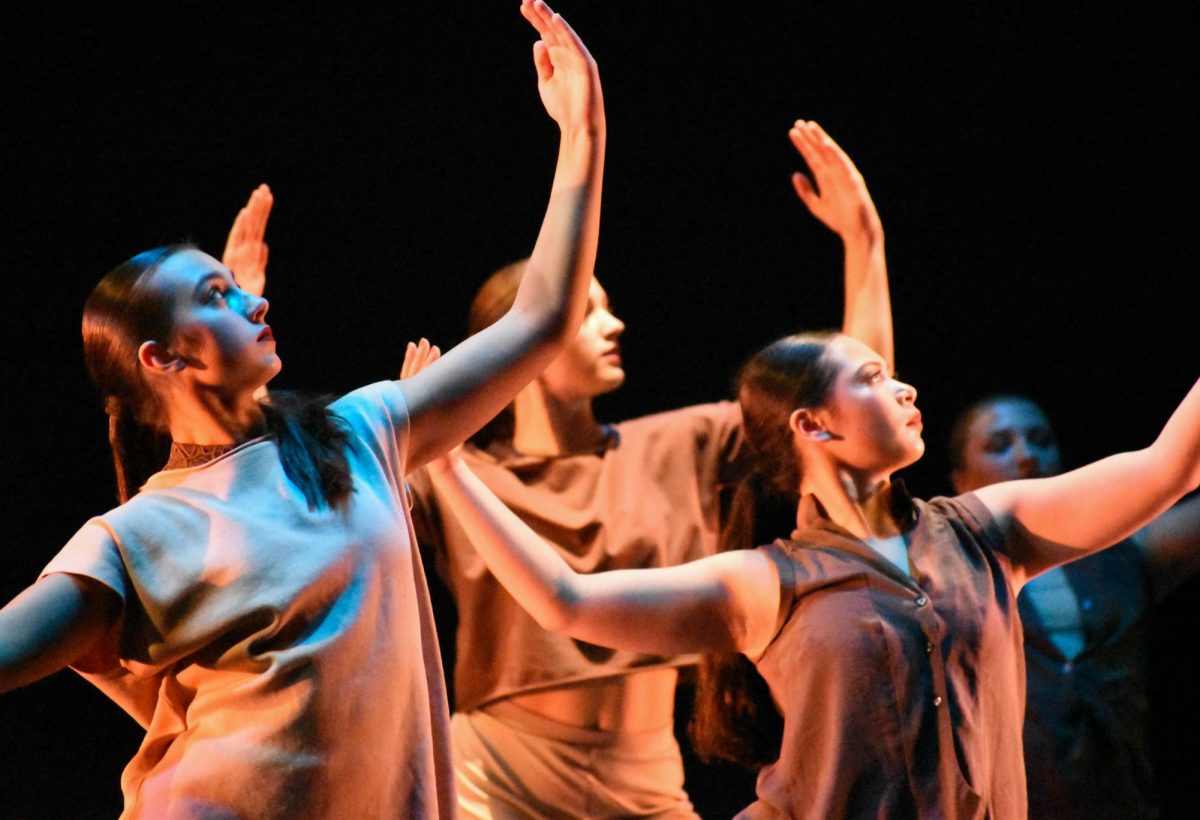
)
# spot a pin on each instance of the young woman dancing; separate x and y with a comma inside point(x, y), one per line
point(546, 726)
point(258, 606)
point(886, 627)
point(1087, 750)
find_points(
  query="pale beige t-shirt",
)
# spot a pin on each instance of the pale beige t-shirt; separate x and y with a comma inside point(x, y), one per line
point(282, 660)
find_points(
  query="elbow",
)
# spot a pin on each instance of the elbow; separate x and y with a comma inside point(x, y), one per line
point(561, 610)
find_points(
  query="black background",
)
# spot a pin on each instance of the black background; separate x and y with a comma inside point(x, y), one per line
point(1035, 170)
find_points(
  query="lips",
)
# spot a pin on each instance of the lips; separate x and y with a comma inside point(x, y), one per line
point(915, 421)
point(266, 335)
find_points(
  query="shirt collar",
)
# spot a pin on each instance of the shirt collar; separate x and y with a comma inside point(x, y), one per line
point(812, 512)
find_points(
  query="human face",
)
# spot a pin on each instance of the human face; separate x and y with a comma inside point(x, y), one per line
point(219, 331)
point(1007, 440)
point(590, 365)
point(870, 423)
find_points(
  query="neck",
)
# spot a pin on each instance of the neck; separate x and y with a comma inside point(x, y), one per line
point(857, 502)
point(545, 425)
point(209, 418)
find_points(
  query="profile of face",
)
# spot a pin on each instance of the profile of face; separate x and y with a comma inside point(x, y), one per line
point(1006, 439)
point(590, 364)
point(869, 422)
point(219, 335)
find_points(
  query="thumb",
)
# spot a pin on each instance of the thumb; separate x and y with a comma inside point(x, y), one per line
point(804, 189)
point(541, 61)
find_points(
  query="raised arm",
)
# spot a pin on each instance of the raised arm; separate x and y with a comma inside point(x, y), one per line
point(1070, 515)
point(245, 251)
point(50, 625)
point(727, 602)
point(838, 197)
point(476, 379)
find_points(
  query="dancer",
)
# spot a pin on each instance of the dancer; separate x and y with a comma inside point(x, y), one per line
point(886, 627)
point(258, 606)
point(545, 726)
point(1087, 752)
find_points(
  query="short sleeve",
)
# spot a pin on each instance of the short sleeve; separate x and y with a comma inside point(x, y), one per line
point(378, 416)
point(777, 553)
point(92, 552)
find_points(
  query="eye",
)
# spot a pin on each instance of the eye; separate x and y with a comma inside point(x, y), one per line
point(214, 294)
point(996, 444)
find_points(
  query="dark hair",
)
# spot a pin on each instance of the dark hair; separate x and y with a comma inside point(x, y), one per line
point(956, 447)
point(122, 313)
point(735, 717)
point(493, 299)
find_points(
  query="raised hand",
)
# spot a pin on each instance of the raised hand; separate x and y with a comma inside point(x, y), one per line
point(837, 194)
point(245, 251)
point(567, 78)
point(418, 356)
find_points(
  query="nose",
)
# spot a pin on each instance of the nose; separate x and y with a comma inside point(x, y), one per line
point(615, 327)
point(258, 308)
point(906, 392)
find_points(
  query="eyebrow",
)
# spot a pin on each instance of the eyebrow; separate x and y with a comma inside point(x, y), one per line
point(208, 280)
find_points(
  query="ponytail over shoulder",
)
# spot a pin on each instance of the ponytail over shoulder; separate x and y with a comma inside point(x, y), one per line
point(312, 443)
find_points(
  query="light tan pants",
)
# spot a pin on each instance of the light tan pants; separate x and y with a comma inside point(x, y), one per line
point(510, 763)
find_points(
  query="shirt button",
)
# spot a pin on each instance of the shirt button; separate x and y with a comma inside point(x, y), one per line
point(922, 601)
point(1086, 604)
point(937, 701)
point(928, 649)
point(1067, 667)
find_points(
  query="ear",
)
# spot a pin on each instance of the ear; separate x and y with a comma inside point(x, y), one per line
point(805, 425)
point(158, 359)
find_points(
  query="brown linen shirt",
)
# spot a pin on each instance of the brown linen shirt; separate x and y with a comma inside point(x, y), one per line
point(649, 499)
point(901, 697)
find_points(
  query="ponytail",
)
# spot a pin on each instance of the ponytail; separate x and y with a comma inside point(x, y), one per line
point(139, 451)
point(735, 717)
point(312, 443)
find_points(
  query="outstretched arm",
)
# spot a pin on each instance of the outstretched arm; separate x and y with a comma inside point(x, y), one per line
point(1070, 515)
point(245, 251)
point(838, 197)
point(50, 625)
point(727, 602)
point(476, 379)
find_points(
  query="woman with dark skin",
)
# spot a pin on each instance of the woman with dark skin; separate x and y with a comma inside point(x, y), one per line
point(258, 606)
point(1087, 753)
point(885, 627)
point(545, 726)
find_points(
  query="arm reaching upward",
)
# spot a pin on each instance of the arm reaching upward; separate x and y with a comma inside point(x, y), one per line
point(837, 195)
point(1070, 515)
point(475, 380)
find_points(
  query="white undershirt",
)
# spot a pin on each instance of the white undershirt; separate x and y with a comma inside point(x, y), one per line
point(895, 549)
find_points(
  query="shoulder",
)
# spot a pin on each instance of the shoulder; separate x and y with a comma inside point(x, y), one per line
point(381, 402)
point(699, 426)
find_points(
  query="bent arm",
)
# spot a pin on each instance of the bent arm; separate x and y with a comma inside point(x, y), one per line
point(50, 625)
point(837, 195)
point(474, 381)
point(1068, 516)
point(728, 602)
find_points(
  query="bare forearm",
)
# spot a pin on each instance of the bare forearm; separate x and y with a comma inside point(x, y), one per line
point(532, 572)
point(868, 307)
point(563, 259)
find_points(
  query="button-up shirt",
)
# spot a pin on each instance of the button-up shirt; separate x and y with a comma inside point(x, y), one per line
point(901, 696)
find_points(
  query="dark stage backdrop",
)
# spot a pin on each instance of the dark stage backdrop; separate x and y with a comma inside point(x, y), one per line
point(1036, 174)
